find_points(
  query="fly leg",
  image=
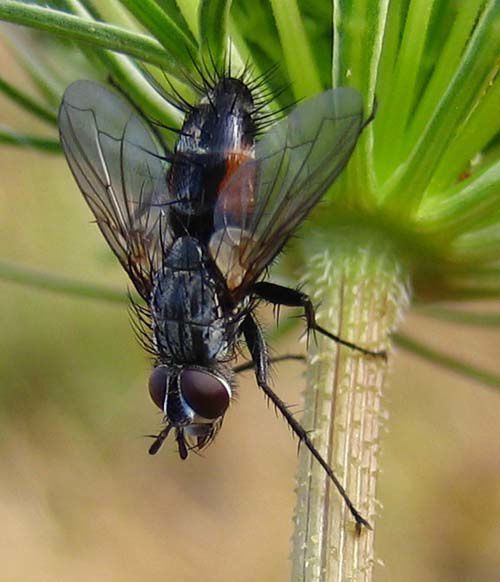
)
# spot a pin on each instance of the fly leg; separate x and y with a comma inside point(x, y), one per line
point(158, 439)
point(250, 365)
point(279, 295)
point(258, 350)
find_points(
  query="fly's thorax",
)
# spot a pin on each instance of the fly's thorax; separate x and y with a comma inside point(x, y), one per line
point(231, 94)
point(192, 322)
point(223, 120)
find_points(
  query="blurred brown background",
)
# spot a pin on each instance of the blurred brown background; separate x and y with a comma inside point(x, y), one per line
point(80, 498)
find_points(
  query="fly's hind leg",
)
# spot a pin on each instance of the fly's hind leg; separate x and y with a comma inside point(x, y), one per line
point(258, 350)
point(279, 295)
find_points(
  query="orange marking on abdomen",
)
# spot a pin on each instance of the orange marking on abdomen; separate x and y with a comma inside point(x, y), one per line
point(236, 190)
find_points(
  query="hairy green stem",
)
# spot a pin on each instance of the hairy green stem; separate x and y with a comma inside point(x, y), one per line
point(363, 294)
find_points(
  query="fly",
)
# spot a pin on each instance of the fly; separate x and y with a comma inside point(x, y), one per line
point(195, 229)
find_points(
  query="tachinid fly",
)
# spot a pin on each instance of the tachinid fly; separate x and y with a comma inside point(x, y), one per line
point(195, 229)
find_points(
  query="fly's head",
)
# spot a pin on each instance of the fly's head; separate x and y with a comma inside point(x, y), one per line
point(194, 400)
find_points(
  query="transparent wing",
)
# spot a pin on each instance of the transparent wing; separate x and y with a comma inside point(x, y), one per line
point(267, 198)
point(120, 169)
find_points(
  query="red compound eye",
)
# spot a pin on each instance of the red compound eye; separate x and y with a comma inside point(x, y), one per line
point(158, 386)
point(205, 393)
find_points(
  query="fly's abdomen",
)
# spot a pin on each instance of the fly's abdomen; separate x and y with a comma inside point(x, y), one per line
point(188, 322)
point(216, 137)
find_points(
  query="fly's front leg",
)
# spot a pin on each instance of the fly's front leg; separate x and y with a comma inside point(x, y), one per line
point(258, 350)
point(279, 295)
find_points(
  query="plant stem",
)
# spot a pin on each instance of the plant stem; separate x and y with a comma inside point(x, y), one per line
point(446, 361)
point(45, 144)
point(51, 282)
point(299, 63)
point(92, 32)
point(363, 294)
point(28, 103)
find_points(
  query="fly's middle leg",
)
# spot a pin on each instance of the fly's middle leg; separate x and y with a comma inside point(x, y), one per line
point(272, 360)
point(279, 295)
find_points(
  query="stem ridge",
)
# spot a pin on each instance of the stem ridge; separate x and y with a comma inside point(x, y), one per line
point(363, 294)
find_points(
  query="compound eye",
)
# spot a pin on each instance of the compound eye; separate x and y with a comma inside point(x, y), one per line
point(206, 394)
point(158, 386)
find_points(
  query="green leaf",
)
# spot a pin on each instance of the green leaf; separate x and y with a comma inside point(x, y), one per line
point(482, 319)
point(404, 77)
point(446, 361)
point(178, 44)
point(124, 73)
point(28, 103)
point(46, 144)
point(189, 11)
point(50, 282)
point(298, 56)
point(403, 193)
point(213, 22)
point(256, 36)
point(91, 32)
point(472, 135)
point(358, 37)
point(466, 205)
point(43, 71)
point(447, 60)
point(172, 11)
point(317, 18)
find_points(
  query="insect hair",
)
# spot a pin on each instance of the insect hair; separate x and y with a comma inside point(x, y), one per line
point(206, 75)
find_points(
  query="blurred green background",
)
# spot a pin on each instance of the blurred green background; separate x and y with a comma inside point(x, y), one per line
point(81, 499)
